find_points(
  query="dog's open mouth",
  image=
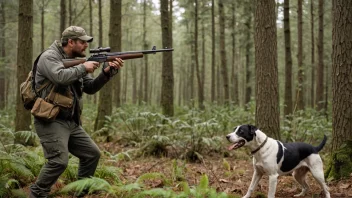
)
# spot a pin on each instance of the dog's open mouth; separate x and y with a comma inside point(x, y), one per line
point(237, 145)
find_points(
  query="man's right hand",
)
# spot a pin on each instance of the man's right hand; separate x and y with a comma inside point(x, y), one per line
point(91, 66)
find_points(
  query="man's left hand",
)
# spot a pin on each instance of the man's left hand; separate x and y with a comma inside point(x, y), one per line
point(116, 64)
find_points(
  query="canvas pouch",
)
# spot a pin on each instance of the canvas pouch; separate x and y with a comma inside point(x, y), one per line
point(45, 110)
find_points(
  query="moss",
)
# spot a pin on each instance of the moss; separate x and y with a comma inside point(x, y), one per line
point(340, 163)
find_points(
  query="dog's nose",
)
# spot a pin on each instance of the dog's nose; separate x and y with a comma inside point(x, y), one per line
point(228, 137)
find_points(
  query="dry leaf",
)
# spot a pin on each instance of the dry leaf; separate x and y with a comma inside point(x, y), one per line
point(224, 181)
point(344, 186)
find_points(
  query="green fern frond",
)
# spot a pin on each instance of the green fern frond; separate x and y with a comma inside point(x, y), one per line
point(226, 164)
point(148, 176)
point(90, 184)
point(128, 187)
point(203, 183)
point(26, 135)
point(157, 192)
point(109, 172)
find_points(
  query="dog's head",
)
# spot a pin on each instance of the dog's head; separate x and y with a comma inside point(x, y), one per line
point(241, 136)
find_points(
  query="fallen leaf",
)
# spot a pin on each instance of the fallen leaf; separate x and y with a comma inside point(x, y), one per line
point(224, 181)
point(344, 186)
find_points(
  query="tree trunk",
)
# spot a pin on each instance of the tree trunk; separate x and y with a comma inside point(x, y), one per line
point(62, 16)
point(224, 71)
point(105, 94)
point(70, 12)
point(100, 39)
point(341, 151)
point(146, 46)
point(198, 72)
point(24, 64)
point(248, 93)
point(234, 76)
point(300, 86)
point(267, 94)
point(288, 60)
point(319, 102)
point(312, 54)
point(115, 41)
point(167, 98)
point(2, 55)
point(213, 51)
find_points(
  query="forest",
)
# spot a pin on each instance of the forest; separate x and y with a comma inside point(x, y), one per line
point(161, 122)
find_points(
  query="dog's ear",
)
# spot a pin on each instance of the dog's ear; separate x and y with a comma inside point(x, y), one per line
point(252, 129)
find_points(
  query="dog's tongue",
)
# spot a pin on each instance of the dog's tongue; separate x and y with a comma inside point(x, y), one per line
point(232, 147)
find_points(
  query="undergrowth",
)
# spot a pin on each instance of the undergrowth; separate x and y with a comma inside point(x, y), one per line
point(144, 131)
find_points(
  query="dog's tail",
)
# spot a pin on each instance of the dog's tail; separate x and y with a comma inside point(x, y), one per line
point(321, 145)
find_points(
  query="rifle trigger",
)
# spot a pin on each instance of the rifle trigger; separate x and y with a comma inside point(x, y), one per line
point(154, 47)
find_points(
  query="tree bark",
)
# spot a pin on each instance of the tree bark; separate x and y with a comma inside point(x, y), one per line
point(2, 55)
point(288, 60)
point(213, 51)
point(319, 102)
point(105, 94)
point(267, 95)
point(234, 76)
point(146, 46)
point(224, 71)
point(248, 33)
point(167, 99)
point(24, 60)
point(312, 96)
point(198, 72)
point(300, 86)
point(62, 16)
point(341, 161)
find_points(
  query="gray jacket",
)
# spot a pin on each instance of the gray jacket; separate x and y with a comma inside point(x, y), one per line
point(74, 79)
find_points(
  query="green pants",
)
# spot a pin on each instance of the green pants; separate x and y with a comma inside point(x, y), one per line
point(58, 139)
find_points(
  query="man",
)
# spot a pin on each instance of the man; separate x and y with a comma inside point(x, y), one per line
point(64, 134)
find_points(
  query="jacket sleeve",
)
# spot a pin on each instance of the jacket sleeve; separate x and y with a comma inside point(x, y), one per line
point(51, 66)
point(92, 85)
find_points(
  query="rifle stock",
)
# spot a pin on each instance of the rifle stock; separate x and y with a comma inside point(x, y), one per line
point(73, 62)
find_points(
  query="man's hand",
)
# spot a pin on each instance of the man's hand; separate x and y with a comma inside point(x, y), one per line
point(91, 66)
point(116, 64)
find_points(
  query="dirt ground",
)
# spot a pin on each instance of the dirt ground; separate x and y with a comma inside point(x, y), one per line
point(232, 179)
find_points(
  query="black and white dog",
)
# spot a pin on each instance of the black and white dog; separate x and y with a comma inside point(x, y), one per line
point(275, 158)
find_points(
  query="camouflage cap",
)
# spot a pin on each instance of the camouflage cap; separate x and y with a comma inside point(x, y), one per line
point(75, 32)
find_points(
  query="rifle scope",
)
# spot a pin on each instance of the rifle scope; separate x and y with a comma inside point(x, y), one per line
point(100, 49)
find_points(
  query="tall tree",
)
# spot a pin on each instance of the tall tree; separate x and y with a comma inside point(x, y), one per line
point(341, 161)
point(248, 33)
point(101, 23)
point(2, 55)
point(24, 60)
point(198, 72)
point(319, 96)
point(62, 16)
point(167, 85)
point(288, 60)
point(300, 75)
point(146, 46)
point(115, 40)
point(224, 71)
point(234, 76)
point(213, 51)
point(267, 94)
point(105, 94)
point(42, 7)
point(312, 53)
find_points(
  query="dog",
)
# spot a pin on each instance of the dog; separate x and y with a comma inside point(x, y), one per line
point(275, 158)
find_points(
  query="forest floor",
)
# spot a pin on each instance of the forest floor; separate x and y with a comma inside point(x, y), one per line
point(233, 179)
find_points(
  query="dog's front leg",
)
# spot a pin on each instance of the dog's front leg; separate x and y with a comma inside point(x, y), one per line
point(255, 180)
point(272, 185)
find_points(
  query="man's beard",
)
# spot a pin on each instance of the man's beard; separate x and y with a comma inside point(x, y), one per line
point(78, 54)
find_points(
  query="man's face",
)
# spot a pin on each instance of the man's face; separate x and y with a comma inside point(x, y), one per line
point(78, 48)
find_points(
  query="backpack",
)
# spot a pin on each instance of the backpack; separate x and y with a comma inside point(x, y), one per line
point(27, 88)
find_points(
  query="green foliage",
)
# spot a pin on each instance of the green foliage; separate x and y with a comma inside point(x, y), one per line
point(91, 185)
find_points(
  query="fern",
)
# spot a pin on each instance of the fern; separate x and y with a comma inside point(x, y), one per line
point(109, 172)
point(91, 185)
point(149, 176)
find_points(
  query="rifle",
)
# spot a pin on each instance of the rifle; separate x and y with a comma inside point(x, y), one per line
point(104, 55)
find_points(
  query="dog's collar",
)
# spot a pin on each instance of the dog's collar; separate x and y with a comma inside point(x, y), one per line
point(256, 150)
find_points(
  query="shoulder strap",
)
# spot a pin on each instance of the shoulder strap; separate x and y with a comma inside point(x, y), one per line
point(34, 72)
